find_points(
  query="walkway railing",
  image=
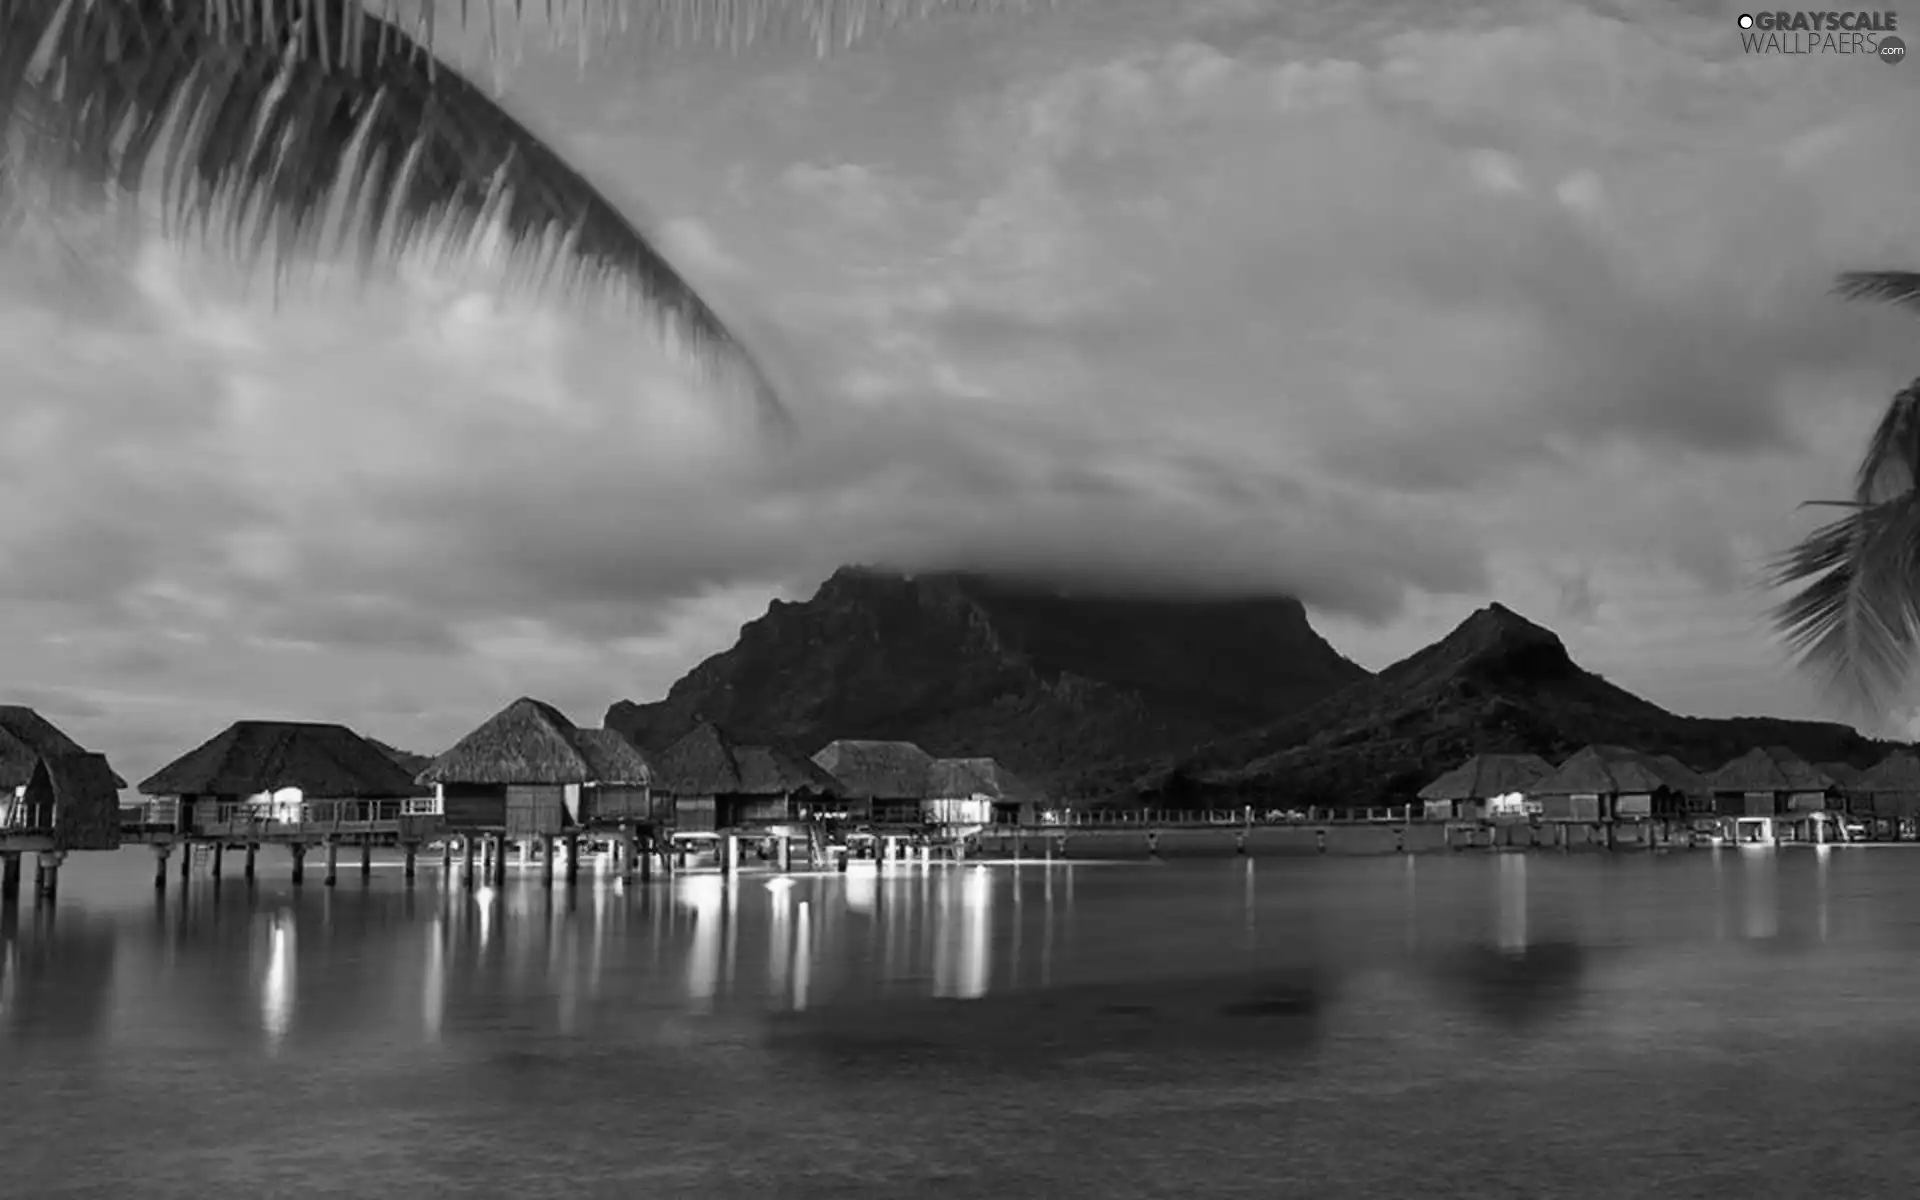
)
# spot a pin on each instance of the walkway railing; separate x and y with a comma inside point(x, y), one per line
point(270, 819)
point(19, 816)
point(1206, 818)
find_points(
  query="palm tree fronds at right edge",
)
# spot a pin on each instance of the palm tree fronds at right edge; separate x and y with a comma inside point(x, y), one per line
point(1856, 613)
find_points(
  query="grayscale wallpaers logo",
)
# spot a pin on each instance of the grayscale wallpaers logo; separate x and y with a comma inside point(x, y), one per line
point(1869, 34)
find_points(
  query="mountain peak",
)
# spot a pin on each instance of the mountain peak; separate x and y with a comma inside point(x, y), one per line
point(1042, 674)
point(1499, 625)
point(1492, 643)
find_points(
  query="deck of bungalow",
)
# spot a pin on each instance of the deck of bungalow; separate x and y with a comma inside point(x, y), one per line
point(530, 777)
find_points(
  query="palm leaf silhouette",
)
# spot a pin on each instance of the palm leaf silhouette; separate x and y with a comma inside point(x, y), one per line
point(1856, 614)
point(288, 127)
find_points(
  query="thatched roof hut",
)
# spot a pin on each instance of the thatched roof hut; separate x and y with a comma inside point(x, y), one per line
point(531, 742)
point(706, 762)
point(1897, 772)
point(1684, 778)
point(1893, 785)
point(872, 770)
point(1608, 771)
point(26, 738)
point(248, 758)
point(1487, 775)
point(1770, 769)
point(962, 778)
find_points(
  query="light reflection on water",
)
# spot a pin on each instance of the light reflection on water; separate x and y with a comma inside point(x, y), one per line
point(1155, 1019)
point(276, 986)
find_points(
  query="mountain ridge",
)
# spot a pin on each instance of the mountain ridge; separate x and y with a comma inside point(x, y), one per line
point(1183, 701)
point(1043, 677)
point(1497, 683)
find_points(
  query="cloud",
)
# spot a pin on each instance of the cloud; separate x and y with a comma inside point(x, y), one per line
point(1394, 315)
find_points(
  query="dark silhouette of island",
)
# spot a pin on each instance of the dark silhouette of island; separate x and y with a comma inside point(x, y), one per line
point(1175, 701)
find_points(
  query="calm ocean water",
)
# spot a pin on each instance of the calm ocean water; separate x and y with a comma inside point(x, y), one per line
point(1714, 1023)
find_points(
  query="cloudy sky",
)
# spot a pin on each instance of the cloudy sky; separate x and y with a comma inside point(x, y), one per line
point(1397, 308)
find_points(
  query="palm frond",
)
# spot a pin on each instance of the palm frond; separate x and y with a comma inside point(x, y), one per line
point(734, 24)
point(268, 141)
point(1890, 287)
point(1891, 465)
point(1856, 615)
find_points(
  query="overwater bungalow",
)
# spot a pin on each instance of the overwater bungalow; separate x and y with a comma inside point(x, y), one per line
point(1771, 781)
point(529, 772)
point(52, 790)
point(1891, 789)
point(1485, 785)
point(1695, 789)
point(276, 771)
point(1612, 784)
point(976, 791)
point(884, 781)
point(716, 784)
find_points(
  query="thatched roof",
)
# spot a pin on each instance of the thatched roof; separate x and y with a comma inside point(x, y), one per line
point(1770, 769)
point(612, 758)
point(876, 770)
point(26, 737)
point(530, 742)
point(1487, 775)
point(1610, 771)
point(1897, 772)
point(1846, 775)
point(1684, 778)
point(409, 762)
point(81, 781)
point(708, 763)
point(329, 762)
point(955, 778)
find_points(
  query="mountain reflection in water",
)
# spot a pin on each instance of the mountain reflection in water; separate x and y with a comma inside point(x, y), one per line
point(1196, 1029)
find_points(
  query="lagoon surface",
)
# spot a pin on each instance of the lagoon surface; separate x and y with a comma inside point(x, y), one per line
point(1707, 1023)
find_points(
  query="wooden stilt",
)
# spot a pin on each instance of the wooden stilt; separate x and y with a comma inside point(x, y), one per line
point(647, 846)
point(299, 862)
point(467, 849)
point(410, 852)
point(546, 859)
point(573, 859)
point(333, 863)
point(10, 877)
point(446, 857)
point(47, 877)
point(186, 859)
point(366, 857)
point(500, 862)
point(219, 859)
point(246, 868)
